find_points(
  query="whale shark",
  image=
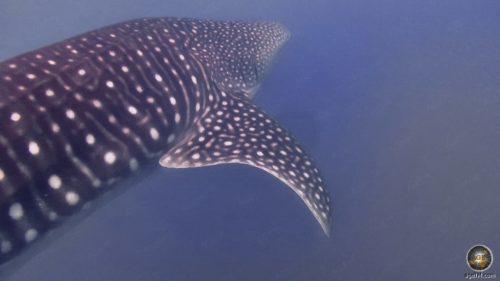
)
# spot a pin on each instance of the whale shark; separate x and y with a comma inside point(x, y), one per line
point(80, 115)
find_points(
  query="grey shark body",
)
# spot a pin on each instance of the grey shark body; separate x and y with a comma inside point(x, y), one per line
point(79, 115)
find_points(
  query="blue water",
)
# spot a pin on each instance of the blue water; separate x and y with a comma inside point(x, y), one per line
point(397, 101)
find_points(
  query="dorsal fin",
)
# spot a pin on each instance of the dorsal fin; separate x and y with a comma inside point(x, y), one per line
point(236, 131)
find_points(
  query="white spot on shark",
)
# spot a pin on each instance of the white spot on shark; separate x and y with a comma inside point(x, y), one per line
point(16, 211)
point(55, 182)
point(109, 157)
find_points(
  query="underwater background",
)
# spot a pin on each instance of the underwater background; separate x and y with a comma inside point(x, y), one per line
point(398, 102)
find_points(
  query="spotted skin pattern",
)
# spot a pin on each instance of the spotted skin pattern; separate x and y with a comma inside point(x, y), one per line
point(83, 113)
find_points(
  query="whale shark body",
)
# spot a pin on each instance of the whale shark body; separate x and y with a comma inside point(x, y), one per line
point(81, 114)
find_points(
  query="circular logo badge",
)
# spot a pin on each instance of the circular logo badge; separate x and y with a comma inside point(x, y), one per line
point(479, 258)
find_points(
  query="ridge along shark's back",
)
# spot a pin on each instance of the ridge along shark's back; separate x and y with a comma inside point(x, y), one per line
point(81, 114)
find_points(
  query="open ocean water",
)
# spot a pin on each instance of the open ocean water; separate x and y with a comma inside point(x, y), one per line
point(397, 101)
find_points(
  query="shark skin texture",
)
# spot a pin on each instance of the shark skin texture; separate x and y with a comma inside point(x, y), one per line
point(82, 114)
